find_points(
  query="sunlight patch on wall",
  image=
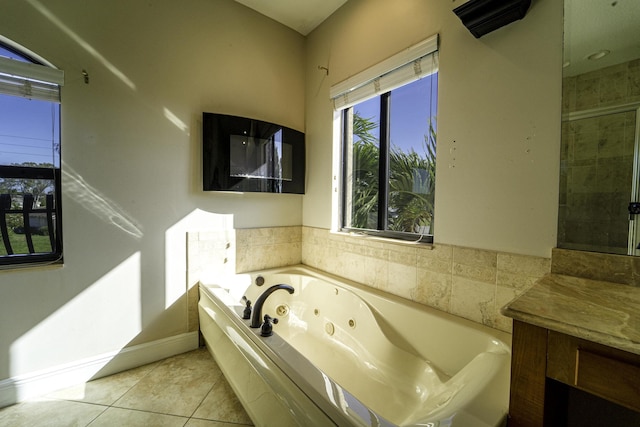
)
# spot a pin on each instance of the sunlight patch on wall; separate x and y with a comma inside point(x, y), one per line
point(106, 315)
point(176, 121)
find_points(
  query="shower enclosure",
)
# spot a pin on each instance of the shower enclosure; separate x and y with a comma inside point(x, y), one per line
point(599, 189)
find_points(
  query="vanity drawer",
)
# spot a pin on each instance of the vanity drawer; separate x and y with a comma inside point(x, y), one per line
point(609, 378)
point(603, 371)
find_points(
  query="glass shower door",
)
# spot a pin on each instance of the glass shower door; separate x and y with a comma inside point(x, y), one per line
point(634, 205)
point(599, 181)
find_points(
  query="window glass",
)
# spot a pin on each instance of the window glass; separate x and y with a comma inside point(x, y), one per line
point(10, 53)
point(29, 132)
point(362, 156)
point(30, 221)
point(389, 158)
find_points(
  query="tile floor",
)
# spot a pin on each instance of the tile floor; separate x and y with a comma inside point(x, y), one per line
point(185, 390)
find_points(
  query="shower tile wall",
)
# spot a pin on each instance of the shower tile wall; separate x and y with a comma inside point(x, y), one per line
point(618, 84)
point(596, 160)
point(596, 176)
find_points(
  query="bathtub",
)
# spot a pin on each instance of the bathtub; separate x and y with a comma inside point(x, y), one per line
point(348, 355)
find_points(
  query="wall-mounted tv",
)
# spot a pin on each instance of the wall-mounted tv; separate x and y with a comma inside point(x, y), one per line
point(248, 155)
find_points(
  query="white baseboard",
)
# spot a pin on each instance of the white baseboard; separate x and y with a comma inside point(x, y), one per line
point(23, 387)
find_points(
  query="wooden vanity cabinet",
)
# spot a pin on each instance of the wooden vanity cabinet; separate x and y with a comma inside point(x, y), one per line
point(548, 366)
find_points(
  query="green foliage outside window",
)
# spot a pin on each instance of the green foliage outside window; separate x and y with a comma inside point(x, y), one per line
point(411, 182)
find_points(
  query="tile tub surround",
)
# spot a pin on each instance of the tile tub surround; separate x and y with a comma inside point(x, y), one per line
point(185, 390)
point(211, 249)
point(471, 283)
point(467, 282)
point(621, 269)
point(262, 248)
point(230, 251)
point(603, 312)
point(240, 250)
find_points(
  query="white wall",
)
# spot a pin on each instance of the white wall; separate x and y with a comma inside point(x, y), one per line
point(131, 163)
point(498, 122)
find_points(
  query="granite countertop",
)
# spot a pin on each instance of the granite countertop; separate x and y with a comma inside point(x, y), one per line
point(603, 312)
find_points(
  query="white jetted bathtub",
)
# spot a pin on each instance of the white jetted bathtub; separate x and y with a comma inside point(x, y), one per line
point(347, 355)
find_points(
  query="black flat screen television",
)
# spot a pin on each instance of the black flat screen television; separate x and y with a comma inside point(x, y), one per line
point(248, 155)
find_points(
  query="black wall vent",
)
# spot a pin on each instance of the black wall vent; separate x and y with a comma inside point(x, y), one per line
point(483, 16)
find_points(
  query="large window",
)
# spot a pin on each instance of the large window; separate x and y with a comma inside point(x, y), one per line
point(388, 137)
point(30, 215)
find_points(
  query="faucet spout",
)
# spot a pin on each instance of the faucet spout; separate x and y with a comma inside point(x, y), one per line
point(256, 316)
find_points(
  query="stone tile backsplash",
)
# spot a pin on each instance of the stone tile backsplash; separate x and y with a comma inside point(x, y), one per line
point(260, 248)
point(621, 269)
point(207, 250)
point(467, 282)
point(471, 283)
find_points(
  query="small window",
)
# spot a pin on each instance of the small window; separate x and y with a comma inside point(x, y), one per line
point(388, 139)
point(30, 193)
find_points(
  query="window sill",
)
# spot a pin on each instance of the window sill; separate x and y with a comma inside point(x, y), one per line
point(390, 240)
point(8, 268)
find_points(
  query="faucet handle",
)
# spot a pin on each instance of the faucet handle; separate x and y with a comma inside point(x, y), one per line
point(246, 314)
point(267, 328)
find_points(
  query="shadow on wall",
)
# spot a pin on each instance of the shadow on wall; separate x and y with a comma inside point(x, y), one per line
point(36, 341)
point(49, 380)
point(88, 197)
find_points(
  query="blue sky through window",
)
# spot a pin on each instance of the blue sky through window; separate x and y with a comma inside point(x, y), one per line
point(412, 108)
point(29, 129)
point(10, 54)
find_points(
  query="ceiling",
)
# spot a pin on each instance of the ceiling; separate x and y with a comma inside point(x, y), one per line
point(591, 26)
point(300, 15)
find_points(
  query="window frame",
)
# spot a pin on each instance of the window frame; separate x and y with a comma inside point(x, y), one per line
point(383, 174)
point(32, 69)
point(379, 80)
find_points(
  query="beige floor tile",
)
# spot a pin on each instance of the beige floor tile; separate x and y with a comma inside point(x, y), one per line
point(177, 386)
point(170, 391)
point(107, 390)
point(194, 422)
point(221, 404)
point(50, 413)
point(132, 418)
